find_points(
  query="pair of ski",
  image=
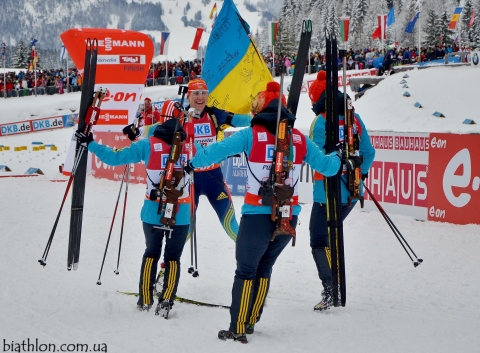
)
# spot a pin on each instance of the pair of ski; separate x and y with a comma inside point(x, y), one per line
point(88, 115)
point(333, 183)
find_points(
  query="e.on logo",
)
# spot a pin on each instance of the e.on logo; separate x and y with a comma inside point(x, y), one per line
point(120, 96)
point(454, 178)
point(461, 161)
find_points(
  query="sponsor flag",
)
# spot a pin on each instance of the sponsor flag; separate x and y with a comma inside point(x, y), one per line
point(30, 66)
point(272, 32)
point(344, 25)
point(411, 24)
point(234, 70)
point(455, 17)
point(213, 12)
point(35, 59)
point(164, 40)
point(198, 36)
point(472, 19)
point(381, 31)
point(63, 53)
point(33, 46)
point(4, 47)
point(391, 17)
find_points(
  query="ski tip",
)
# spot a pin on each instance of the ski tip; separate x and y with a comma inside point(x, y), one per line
point(99, 283)
point(75, 266)
point(116, 272)
point(42, 262)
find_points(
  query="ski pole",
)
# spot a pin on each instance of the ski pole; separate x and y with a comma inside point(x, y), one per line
point(111, 225)
point(123, 216)
point(394, 229)
point(43, 260)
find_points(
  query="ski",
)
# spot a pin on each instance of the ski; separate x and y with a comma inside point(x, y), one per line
point(183, 300)
point(78, 190)
point(300, 63)
point(332, 184)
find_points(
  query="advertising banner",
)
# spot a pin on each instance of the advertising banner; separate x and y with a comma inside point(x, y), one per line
point(101, 170)
point(54, 122)
point(123, 62)
point(398, 176)
point(20, 127)
point(454, 178)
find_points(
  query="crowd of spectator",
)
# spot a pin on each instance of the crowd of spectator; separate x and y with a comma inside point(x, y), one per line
point(181, 72)
point(25, 82)
point(175, 72)
point(364, 58)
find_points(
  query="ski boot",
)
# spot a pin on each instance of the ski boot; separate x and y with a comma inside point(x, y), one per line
point(144, 307)
point(227, 335)
point(163, 308)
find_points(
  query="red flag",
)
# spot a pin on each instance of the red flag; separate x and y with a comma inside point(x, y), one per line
point(198, 36)
point(381, 30)
point(472, 19)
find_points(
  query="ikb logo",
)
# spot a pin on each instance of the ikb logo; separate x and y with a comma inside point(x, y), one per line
point(269, 152)
point(202, 130)
point(181, 161)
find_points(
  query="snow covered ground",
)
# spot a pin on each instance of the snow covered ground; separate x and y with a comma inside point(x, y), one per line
point(391, 306)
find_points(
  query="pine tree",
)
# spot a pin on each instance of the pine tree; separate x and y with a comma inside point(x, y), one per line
point(19, 59)
point(444, 32)
point(431, 29)
point(467, 34)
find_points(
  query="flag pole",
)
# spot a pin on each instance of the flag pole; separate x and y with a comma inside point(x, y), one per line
point(166, 70)
point(35, 68)
point(66, 68)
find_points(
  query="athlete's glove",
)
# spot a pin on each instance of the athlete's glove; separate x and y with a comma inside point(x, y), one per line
point(82, 138)
point(188, 168)
point(128, 130)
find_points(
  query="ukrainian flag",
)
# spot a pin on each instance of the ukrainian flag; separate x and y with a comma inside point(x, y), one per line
point(234, 70)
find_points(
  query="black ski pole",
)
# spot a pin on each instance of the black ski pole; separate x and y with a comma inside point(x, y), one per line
point(394, 229)
point(111, 224)
point(43, 260)
point(123, 216)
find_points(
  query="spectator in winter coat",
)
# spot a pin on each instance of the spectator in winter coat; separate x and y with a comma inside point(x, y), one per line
point(257, 247)
point(318, 219)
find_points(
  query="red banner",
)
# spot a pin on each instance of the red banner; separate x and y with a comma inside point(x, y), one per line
point(454, 178)
point(123, 62)
point(102, 170)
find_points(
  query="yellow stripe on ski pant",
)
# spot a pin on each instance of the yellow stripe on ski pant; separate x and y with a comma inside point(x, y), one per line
point(329, 256)
point(243, 311)
point(227, 221)
point(172, 278)
point(259, 300)
point(147, 270)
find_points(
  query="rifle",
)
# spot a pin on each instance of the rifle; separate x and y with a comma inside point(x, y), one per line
point(274, 191)
point(353, 159)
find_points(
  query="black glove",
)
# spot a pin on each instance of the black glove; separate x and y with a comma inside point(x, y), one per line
point(188, 167)
point(82, 138)
point(128, 130)
point(335, 150)
point(364, 176)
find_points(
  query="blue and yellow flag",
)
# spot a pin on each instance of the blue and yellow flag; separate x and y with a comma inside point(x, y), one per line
point(234, 70)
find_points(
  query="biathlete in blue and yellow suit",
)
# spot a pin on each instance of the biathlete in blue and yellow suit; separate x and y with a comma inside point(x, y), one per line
point(255, 253)
point(318, 219)
point(209, 124)
point(154, 151)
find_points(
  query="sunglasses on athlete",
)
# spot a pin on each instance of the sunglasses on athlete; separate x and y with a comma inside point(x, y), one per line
point(200, 93)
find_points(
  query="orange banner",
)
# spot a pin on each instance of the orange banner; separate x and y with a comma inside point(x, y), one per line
point(454, 178)
point(123, 62)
